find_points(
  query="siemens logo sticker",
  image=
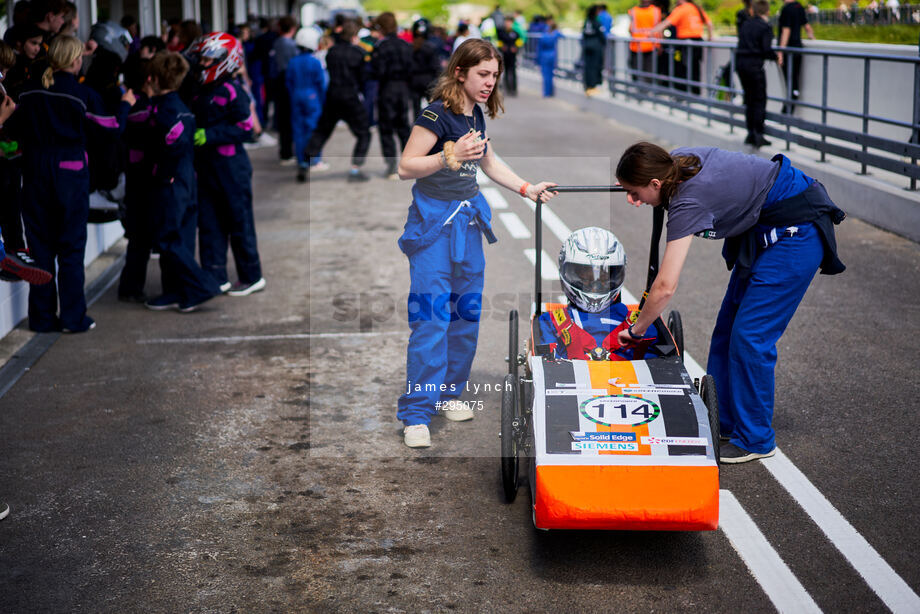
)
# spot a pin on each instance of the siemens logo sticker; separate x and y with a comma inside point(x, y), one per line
point(604, 446)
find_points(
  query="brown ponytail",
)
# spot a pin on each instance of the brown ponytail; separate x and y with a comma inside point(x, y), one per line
point(642, 162)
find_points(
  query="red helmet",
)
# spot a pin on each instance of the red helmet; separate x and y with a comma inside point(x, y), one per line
point(224, 49)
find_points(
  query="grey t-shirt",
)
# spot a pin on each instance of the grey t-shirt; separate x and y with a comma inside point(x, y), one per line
point(724, 199)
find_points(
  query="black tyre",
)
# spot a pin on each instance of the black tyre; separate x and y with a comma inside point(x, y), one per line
point(509, 443)
point(676, 326)
point(513, 343)
point(711, 400)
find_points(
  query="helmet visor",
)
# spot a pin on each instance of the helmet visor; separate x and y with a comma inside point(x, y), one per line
point(593, 278)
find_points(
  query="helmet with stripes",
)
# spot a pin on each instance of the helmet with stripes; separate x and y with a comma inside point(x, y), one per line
point(224, 51)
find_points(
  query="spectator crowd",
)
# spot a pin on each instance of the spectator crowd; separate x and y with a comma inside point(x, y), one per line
point(152, 129)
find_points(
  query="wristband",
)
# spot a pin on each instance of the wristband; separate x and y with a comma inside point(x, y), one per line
point(632, 335)
point(444, 158)
point(452, 162)
point(523, 190)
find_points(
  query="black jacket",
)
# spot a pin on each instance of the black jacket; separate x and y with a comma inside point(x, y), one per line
point(755, 43)
point(813, 205)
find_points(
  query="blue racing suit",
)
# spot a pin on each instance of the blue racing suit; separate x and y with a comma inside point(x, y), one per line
point(443, 240)
point(225, 182)
point(306, 82)
point(546, 58)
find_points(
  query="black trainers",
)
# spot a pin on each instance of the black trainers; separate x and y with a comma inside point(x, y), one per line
point(355, 175)
point(86, 326)
point(241, 289)
point(193, 306)
point(140, 297)
point(162, 303)
point(303, 174)
point(731, 454)
point(22, 266)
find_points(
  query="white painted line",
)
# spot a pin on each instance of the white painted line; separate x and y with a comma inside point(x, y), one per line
point(548, 271)
point(878, 574)
point(552, 221)
point(515, 226)
point(481, 177)
point(773, 575)
point(495, 198)
point(293, 336)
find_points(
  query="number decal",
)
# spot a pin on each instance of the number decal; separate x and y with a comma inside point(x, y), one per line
point(620, 410)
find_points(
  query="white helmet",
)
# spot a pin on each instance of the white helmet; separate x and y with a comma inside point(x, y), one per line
point(592, 267)
point(307, 37)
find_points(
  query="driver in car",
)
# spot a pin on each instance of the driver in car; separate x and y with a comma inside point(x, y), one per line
point(592, 268)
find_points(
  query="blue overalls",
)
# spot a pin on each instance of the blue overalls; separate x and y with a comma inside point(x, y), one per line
point(758, 305)
point(52, 127)
point(546, 58)
point(138, 220)
point(225, 183)
point(174, 190)
point(443, 240)
point(306, 82)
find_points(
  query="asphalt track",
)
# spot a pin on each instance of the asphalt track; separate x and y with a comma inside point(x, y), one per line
point(247, 457)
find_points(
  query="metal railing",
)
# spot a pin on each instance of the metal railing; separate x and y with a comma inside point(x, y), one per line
point(877, 128)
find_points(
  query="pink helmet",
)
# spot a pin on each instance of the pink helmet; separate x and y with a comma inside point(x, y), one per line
point(224, 49)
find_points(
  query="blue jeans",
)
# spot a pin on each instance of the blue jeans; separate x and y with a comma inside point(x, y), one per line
point(754, 315)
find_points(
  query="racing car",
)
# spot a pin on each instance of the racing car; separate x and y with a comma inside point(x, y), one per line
point(609, 444)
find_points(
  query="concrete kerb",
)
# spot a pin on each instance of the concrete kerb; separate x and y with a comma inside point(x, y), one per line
point(877, 198)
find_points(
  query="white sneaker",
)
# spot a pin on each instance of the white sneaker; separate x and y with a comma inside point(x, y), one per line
point(225, 287)
point(417, 436)
point(457, 410)
point(320, 167)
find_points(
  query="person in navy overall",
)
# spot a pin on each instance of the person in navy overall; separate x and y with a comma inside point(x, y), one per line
point(592, 268)
point(306, 82)
point(222, 114)
point(778, 226)
point(138, 214)
point(443, 235)
point(173, 184)
point(52, 124)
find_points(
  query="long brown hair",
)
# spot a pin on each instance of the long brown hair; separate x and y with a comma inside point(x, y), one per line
point(642, 162)
point(469, 54)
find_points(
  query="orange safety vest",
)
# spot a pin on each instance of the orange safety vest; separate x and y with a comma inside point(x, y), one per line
point(688, 19)
point(644, 18)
